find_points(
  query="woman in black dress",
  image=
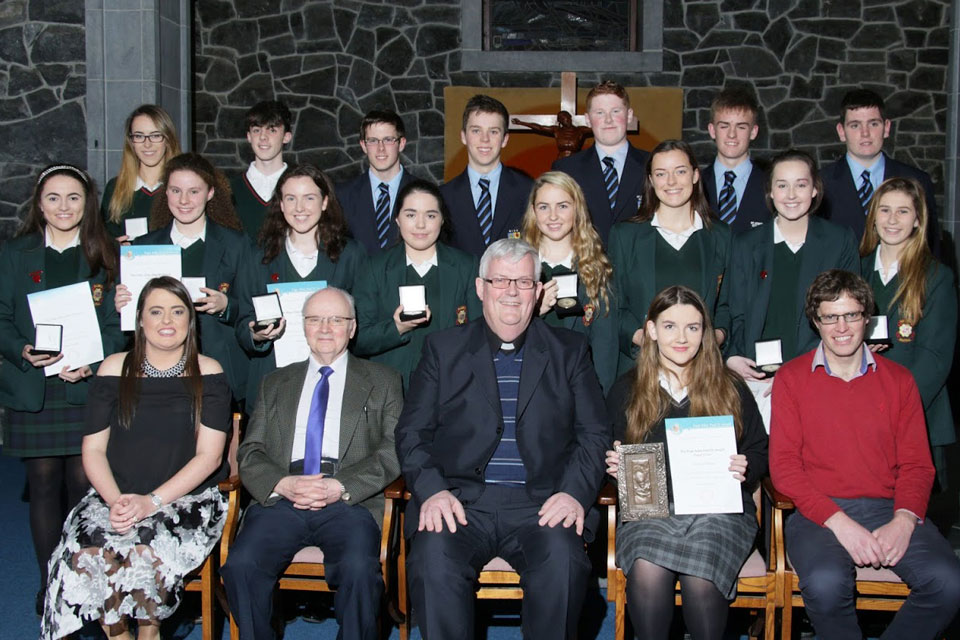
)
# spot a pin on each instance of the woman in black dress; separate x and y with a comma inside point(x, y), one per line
point(156, 429)
point(679, 374)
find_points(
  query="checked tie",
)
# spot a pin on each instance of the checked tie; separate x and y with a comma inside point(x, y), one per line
point(383, 214)
point(318, 411)
point(485, 211)
point(866, 191)
point(610, 181)
point(727, 202)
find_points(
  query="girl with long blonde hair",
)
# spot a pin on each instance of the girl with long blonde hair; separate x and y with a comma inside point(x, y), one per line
point(916, 294)
point(679, 373)
point(557, 223)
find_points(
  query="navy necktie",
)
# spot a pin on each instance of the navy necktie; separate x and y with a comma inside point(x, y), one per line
point(727, 200)
point(383, 214)
point(610, 181)
point(318, 411)
point(866, 191)
point(485, 211)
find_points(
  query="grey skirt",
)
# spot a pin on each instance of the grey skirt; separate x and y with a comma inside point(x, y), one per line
point(711, 546)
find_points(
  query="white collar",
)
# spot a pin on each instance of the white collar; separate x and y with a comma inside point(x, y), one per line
point(255, 174)
point(48, 241)
point(566, 262)
point(184, 241)
point(294, 252)
point(885, 276)
point(141, 184)
point(778, 238)
point(673, 238)
point(677, 395)
point(431, 261)
point(338, 365)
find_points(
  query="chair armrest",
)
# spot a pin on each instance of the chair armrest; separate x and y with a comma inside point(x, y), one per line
point(230, 484)
point(608, 494)
point(777, 499)
point(396, 489)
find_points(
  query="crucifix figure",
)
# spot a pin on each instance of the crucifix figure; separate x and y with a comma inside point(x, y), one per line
point(569, 129)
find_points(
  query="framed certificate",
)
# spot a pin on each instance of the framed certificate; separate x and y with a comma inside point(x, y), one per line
point(642, 482)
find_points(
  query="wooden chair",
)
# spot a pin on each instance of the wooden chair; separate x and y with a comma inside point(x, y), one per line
point(876, 589)
point(756, 584)
point(306, 571)
point(206, 578)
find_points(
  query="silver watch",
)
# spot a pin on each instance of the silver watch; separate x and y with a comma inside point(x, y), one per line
point(155, 499)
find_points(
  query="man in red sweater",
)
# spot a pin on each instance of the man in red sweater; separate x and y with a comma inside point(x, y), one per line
point(848, 444)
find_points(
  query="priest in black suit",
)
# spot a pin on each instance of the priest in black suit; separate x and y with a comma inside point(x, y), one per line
point(369, 201)
point(486, 201)
point(850, 182)
point(611, 172)
point(734, 185)
point(501, 443)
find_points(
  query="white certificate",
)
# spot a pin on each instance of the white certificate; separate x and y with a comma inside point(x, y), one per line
point(699, 450)
point(292, 345)
point(566, 285)
point(72, 307)
point(135, 227)
point(138, 265)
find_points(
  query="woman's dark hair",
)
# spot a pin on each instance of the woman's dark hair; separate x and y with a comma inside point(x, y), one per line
point(650, 202)
point(332, 230)
point(796, 155)
point(97, 246)
point(219, 208)
point(131, 373)
point(425, 186)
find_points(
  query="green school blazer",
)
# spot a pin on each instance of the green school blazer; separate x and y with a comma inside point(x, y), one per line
point(22, 266)
point(928, 350)
point(632, 246)
point(827, 246)
point(139, 207)
point(452, 303)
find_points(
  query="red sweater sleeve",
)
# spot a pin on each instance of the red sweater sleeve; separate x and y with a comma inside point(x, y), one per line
point(915, 472)
point(786, 447)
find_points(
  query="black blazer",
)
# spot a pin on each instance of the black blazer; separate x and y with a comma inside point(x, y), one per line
point(512, 194)
point(584, 167)
point(356, 200)
point(753, 210)
point(841, 205)
point(451, 421)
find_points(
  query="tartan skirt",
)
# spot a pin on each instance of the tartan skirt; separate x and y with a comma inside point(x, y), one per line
point(55, 430)
point(710, 546)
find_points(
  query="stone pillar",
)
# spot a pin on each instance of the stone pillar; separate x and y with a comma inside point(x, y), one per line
point(138, 51)
point(951, 172)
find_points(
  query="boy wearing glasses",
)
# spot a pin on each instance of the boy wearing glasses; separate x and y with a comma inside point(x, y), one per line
point(369, 200)
point(848, 445)
point(268, 131)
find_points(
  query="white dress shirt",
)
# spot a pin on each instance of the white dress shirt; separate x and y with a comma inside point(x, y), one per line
point(885, 276)
point(183, 241)
point(331, 421)
point(778, 238)
point(302, 262)
point(674, 239)
point(424, 267)
point(48, 241)
point(262, 183)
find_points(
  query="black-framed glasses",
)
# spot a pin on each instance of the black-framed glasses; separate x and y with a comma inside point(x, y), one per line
point(138, 138)
point(834, 318)
point(504, 283)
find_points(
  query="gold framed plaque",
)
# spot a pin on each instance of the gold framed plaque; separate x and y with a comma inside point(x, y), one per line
point(642, 482)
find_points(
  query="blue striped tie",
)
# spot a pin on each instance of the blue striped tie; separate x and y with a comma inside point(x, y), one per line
point(610, 181)
point(318, 410)
point(866, 191)
point(727, 202)
point(485, 211)
point(383, 214)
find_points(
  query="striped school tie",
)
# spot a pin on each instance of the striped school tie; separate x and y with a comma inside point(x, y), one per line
point(383, 214)
point(610, 181)
point(485, 211)
point(866, 191)
point(727, 202)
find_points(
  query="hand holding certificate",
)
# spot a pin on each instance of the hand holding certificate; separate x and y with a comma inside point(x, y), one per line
point(71, 308)
point(138, 265)
point(699, 452)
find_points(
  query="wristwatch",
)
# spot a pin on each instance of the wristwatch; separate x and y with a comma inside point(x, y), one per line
point(155, 499)
point(344, 494)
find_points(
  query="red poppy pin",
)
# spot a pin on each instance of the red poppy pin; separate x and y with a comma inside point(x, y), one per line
point(224, 287)
point(36, 276)
point(763, 274)
point(97, 292)
point(461, 315)
point(905, 331)
point(275, 277)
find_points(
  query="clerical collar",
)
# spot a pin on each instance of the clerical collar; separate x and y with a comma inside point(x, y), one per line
point(497, 344)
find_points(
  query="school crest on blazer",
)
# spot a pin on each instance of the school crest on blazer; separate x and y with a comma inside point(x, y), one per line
point(96, 290)
point(588, 311)
point(224, 287)
point(461, 315)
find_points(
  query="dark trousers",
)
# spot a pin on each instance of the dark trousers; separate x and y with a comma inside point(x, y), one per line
point(827, 575)
point(552, 564)
point(350, 540)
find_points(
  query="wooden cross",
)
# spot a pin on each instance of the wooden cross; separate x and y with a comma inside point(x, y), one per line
point(568, 103)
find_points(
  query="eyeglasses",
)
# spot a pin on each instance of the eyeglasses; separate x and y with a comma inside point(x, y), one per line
point(504, 283)
point(333, 321)
point(138, 138)
point(389, 141)
point(834, 318)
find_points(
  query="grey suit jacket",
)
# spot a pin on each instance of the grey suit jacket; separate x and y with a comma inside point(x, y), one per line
point(372, 401)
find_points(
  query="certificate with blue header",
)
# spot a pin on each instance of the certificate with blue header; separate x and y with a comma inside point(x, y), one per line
point(699, 451)
point(72, 308)
point(292, 345)
point(138, 265)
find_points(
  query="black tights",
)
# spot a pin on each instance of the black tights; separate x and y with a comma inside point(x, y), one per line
point(650, 602)
point(56, 485)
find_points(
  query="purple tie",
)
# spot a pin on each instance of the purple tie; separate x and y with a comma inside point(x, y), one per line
point(318, 410)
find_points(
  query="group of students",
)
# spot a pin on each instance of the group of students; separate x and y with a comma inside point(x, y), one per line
point(631, 225)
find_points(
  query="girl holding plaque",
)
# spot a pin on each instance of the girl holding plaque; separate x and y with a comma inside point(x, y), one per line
point(557, 223)
point(389, 331)
point(773, 265)
point(155, 431)
point(674, 239)
point(916, 297)
point(679, 373)
point(304, 238)
point(195, 212)
point(150, 139)
point(61, 242)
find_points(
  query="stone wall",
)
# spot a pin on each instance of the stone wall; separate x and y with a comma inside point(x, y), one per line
point(42, 90)
point(331, 60)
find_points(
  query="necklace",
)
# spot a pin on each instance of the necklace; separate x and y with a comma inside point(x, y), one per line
point(175, 371)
